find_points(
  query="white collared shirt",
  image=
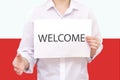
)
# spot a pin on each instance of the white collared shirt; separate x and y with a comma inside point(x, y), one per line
point(57, 68)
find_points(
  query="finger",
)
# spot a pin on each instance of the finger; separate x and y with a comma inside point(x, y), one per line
point(92, 38)
point(93, 45)
point(16, 65)
point(18, 58)
point(19, 72)
point(15, 69)
point(89, 37)
point(15, 62)
point(92, 41)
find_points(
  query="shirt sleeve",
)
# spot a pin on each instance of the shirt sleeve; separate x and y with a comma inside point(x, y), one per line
point(95, 33)
point(26, 47)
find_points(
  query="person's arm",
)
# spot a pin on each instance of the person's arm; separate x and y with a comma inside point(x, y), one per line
point(94, 41)
point(26, 51)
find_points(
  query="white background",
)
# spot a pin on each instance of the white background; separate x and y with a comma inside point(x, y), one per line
point(13, 12)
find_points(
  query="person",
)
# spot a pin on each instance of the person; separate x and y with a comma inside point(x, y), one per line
point(57, 68)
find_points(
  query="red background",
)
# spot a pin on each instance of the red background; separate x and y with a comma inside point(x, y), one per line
point(103, 67)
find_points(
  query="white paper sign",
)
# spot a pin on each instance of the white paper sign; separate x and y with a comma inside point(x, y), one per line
point(57, 38)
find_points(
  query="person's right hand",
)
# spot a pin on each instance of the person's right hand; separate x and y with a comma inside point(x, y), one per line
point(20, 64)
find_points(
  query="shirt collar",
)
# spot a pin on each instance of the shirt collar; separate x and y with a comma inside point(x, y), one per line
point(49, 4)
point(73, 5)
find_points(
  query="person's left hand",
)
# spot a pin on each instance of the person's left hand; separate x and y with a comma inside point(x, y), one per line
point(94, 44)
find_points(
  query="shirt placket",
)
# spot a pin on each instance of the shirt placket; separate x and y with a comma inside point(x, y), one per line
point(62, 69)
point(62, 60)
